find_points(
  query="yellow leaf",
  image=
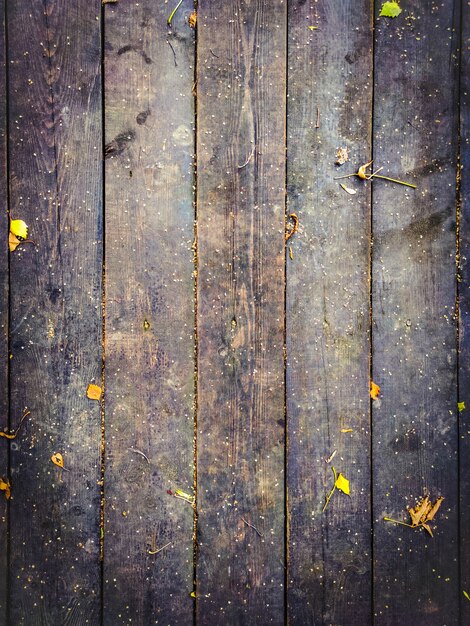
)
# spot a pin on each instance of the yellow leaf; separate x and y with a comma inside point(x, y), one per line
point(192, 20)
point(342, 483)
point(19, 229)
point(5, 486)
point(461, 406)
point(466, 595)
point(57, 459)
point(192, 594)
point(374, 390)
point(93, 392)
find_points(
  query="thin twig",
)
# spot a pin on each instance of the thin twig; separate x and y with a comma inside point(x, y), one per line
point(248, 159)
point(213, 53)
point(395, 521)
point(173, 50)
point(253, 527)
point(159, 549)
point(172, 14)
point(394, 180)
point(331, 457)
point(317, 123)
point(15, 432)
point(139, 452)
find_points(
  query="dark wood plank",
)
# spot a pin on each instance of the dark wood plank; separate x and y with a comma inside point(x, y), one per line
point(3, 317)
point(414, 296)
point(327, 313)
point(464, 310)
point(241, 197)
point(55, 186)
point(149, 313)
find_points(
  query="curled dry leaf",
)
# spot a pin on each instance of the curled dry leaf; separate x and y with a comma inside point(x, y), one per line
point(5, 486)
point(421, 514)
point(374, 390)
point(192, 21)
point(93, 392)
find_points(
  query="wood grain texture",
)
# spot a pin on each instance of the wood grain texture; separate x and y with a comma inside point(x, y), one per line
point(149, 344)
point(327, 312)
point(414, 331)
point(3, 316)
point(464, 311)
point(55, 186)
point(241, 197)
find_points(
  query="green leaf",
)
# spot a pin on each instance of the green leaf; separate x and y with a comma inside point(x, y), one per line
point(461, 406)
point(342, 484)
point(390, 9)
point(466, 595)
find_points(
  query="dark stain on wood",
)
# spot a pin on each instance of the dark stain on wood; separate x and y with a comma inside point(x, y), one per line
point(119, 144)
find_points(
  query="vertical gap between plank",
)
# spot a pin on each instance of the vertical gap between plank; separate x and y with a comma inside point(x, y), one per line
point(7, 173)
point(103, 315)
point(195, 304)
point(371, 328)
point(286, 431)
point(458, 209)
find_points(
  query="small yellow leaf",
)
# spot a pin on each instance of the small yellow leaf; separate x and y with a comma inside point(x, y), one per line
point(461, 406)
point(192, 594)
point(374, 390)
point(192, 20)
point(19, 229)
point(346, 430)
point(342, 483)
point(466, 595)
point(57, 459)
point(5, 486)
point(313, 27)
point(93, 392)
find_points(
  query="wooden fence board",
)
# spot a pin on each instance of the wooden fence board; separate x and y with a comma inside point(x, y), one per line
point(3, 317)
point(55, 186)
point(414, 334)
point(241, 203)
point(328, 322)
point(149, 336)
point(464, 319)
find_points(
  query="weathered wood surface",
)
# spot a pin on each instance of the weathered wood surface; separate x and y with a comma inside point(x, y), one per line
point(464, 317)
point(149, 336)
point(327, 315)
point(240, 212)
point(55, 332)
point(4, 396)
point(413, 307)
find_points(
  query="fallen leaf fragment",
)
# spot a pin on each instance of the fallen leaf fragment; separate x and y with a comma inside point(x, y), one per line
point(192, 594)
point(351, 192)
point(13, 242)
point(461, 406)
point(93, 392)
point(390, 9)
point(466, 595)
point(342, 155)
point(13, 435)
point(183, 496)
point(313, 27)
point(192, 20)
point(57, 459)
point(295, 224)
point(346, 430)
point(374, 390)
point(5, 486)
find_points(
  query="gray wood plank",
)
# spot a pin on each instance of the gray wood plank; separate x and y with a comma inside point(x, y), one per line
point(414, 296)
point(240, 210)
point(149, 345)
point(4, 473)
point(327, 312)
point(56, 187)
point(464, 314)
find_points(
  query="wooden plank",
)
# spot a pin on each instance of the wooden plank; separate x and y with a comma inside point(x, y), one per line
point(240, 199)
point(149, 333)
point(327, 312)
point(56, 187)
point(4, 279)
point(414, 295)
point(464, 314)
